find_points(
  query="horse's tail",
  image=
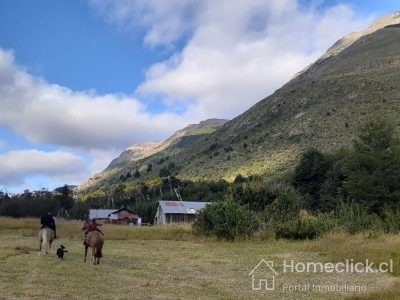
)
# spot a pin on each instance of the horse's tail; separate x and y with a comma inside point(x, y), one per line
point(98, 253)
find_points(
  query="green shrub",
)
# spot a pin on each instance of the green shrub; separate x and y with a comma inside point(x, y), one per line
point(239, 179)
point(285, 207)
point(355, 217)
point(304, 227)
point(258, 195)
point(391, 221)
point(227, 220)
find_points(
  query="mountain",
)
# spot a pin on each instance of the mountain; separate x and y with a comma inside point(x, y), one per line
point(133, 153)
point(322, 106)
point(137, 157)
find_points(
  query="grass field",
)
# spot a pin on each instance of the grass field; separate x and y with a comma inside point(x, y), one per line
point(173, 263)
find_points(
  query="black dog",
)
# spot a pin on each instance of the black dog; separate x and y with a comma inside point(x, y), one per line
point(61, 251)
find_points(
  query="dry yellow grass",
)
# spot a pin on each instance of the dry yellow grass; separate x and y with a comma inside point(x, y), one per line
point(72, 229)
point(339, 246)
point(171, 263)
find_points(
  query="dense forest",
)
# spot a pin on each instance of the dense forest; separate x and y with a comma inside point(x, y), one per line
point(36, 203)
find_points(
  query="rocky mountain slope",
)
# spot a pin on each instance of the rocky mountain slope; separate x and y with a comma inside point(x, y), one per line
point(139, 157)
point(322, 106)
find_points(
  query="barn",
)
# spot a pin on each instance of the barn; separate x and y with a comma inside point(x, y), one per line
point(120, 216)
point(169, 212)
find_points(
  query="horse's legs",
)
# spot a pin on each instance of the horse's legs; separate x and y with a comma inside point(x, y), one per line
point(44, 247)
point(97, 258)
point(94, 255)
point(86, 247)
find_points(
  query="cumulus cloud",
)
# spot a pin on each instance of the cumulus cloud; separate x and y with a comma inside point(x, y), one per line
point(228, 55)
point(52, 114)
point(101, 159)
point(16, 166)
point(236, 52)
point(165, 21)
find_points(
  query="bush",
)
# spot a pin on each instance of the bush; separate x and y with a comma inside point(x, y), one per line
point(286, 205)
point(391, 220)
point(164, 172)
point(227, 220)
point(303, 228)
point(239, 179)
point(257, 194)
point(355, 217)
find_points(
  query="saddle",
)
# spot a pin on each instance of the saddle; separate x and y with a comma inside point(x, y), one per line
point(47, 228)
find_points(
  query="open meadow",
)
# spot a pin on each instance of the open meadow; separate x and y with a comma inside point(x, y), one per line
point(173, 263)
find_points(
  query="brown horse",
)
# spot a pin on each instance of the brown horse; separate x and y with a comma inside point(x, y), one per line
point(94, 240)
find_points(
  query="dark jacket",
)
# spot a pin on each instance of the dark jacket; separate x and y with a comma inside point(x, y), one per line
point(48, 221)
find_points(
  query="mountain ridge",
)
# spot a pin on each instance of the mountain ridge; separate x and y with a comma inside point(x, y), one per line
point(138, 152)
point(322, 106)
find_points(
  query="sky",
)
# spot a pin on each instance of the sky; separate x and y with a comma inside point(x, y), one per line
point(82, 80)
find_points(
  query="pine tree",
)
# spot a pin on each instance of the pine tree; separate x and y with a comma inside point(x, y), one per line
point(372, 169)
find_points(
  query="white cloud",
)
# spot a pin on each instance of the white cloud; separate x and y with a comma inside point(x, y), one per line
point(16, 166)
point(230, 54)
point(165, 21)
point(93, 126)
point(101, 159)
point(52, 114)
point(238, 51)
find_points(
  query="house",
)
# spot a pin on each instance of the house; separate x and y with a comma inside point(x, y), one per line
point(263, 276)
point(103, 215)
point(177, 211)
point(124, 216)
point(120, 216)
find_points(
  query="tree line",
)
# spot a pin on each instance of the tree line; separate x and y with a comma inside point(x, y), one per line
point(37, 203)
point(354, 189)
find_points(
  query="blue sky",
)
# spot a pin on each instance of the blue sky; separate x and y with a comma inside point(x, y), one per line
point(67, 43)
point(82, 80)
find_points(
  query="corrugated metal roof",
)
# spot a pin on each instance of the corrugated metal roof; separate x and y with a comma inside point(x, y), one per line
point(122, 209)
point(102, 214)
point(182, 207)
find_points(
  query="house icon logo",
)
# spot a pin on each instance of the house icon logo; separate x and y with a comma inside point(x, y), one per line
point(263, 276)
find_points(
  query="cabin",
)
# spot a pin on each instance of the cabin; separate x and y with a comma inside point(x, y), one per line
point(124, 216)
point(102, 215)
point(169, 212)
point(120, 216)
